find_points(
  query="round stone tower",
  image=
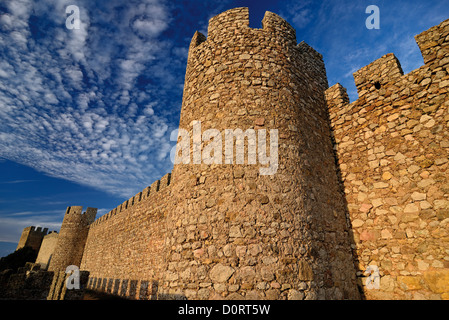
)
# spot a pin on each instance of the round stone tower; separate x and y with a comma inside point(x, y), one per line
point(272, 226)
point(72, 238)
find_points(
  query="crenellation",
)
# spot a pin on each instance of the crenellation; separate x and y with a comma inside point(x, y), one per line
point(304, 48)
point(32, 237)
point(165, 181)
point(360, 184)
point(155, 187)
point(138, 197)
point(146, 192)
point(228, 22)
point(158, 185)
point(377, 74)
point(197, 39)
point(279, 28)
point(434, 46)
point(392, 148)
point(336, 97)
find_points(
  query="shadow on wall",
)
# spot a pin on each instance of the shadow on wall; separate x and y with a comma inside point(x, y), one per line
point(348, 221)
point(109, 289)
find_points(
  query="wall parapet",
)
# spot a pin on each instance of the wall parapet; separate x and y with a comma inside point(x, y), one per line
point(434, 44)
point(230, 21)
point(89, 214)
point(379, 73)
point(146, 193)
point(392, 147)
point(31, 237)
point(37, 229)
point(278, 27)
point(236, 21)
point(385, 78)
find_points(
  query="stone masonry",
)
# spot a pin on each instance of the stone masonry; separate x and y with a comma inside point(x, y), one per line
point(47, 248)
point(69, 247)
point(392, 147)
point(234, 232)
point(358, 186)
point(32, 237)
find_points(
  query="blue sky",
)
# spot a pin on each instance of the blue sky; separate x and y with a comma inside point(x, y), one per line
point(86, 115)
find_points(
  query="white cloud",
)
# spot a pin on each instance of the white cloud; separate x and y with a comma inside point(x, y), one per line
point(298, 13)
point(13, 224)
point(149, 27)
point(70, 104)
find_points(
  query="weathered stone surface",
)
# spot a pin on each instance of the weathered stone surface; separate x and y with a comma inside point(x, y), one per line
point(396, 160)
point(438, 280)
point(417, 196)
point(227, 231)
point(295, 295)
point(305, 272)
point(410, 282)
point(221, 273)
point(411, 208)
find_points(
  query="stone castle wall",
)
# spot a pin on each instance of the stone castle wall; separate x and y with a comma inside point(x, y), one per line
point(393, 148)
point(238, 233)
point(32, 237)
point(225, 230)
point(72, 238)
point(357, 184)
point(46, 250)
point(125, 249)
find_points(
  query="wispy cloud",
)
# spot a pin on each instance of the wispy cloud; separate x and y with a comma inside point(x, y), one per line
point(29, 213)
point(16, 181)
point(298, 13)
point(96, 105)
point(88, 105)
point(13, 225)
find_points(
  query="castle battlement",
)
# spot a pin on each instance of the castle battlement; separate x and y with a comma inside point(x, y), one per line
point(76, 213)
point(232, 24)
point(32, 237)
point(385, 78)
point(384, 71)
point(392, 146)
point(37, 230)
point(230, 21)
point(149, 192)
point(236, 21)
point(361, 185)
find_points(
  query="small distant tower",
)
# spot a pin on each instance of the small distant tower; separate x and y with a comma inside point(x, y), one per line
point(32, 237)
point(47, 248)
point(72, 238)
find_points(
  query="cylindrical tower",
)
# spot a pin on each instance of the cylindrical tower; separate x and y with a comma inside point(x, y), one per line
point(72, 238)
point(239, 231)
